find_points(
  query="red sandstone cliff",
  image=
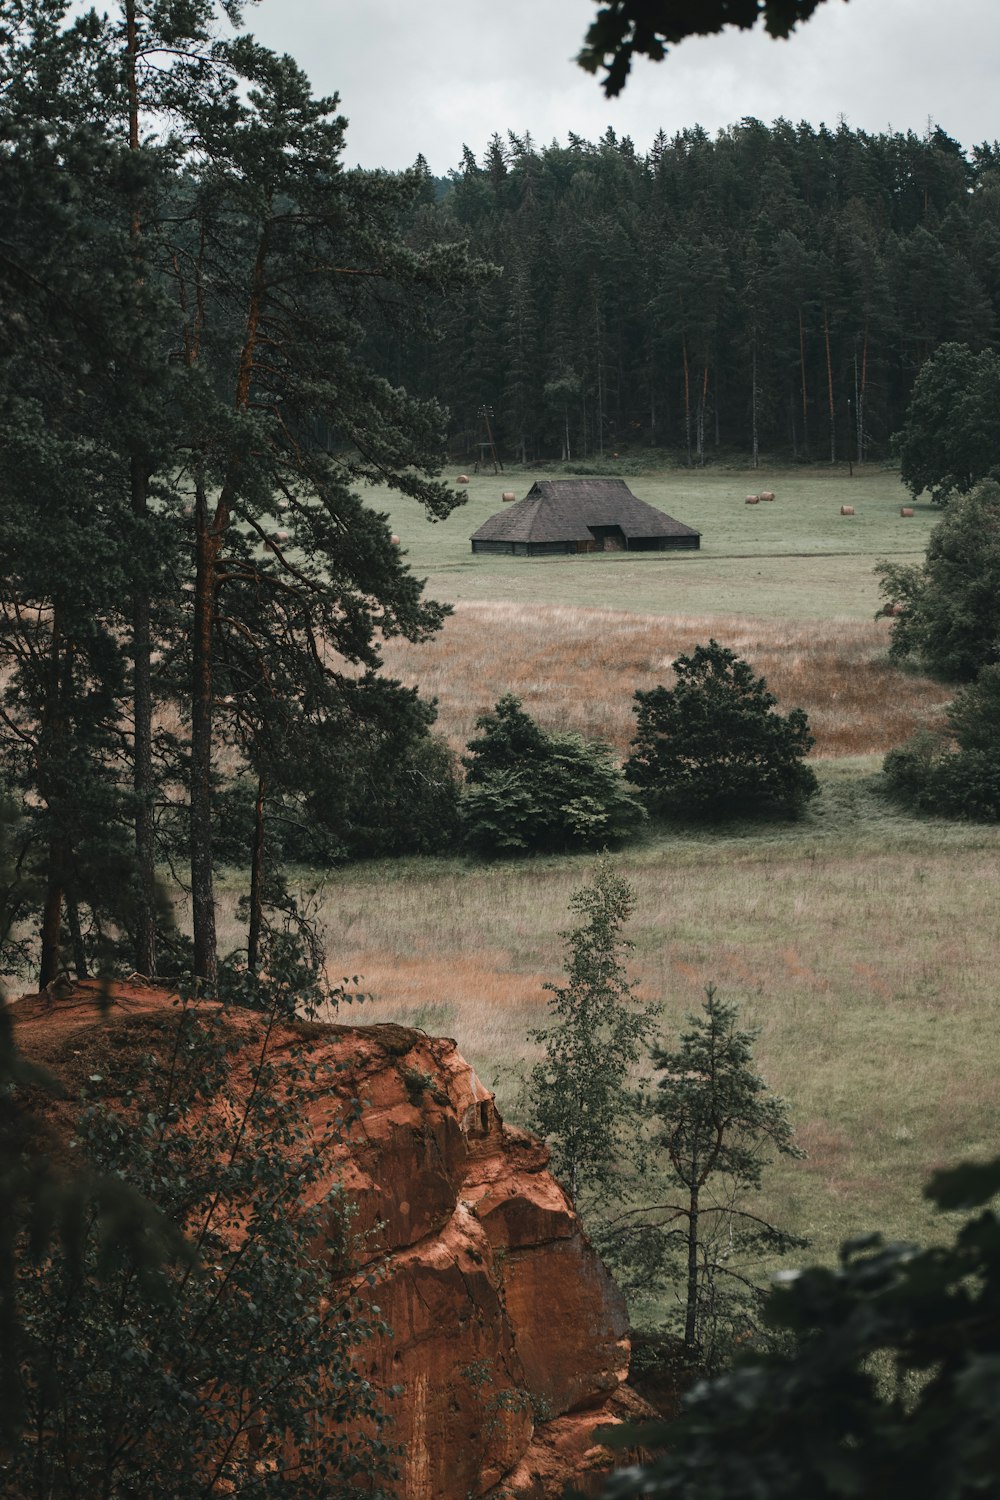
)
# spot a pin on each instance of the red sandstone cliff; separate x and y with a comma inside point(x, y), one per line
point(508, 1337)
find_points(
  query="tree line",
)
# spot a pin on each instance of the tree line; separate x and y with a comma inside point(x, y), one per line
point(775, 288)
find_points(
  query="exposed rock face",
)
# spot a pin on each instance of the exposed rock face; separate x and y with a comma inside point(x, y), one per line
point(508, 1337)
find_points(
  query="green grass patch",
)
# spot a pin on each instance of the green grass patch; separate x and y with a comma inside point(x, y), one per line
point(795, 557)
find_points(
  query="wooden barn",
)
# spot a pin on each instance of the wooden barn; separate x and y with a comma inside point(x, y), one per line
point(582, 515)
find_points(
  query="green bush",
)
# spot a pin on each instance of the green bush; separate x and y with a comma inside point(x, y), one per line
point(926, 773)
point(528, 791)
point(713, 745)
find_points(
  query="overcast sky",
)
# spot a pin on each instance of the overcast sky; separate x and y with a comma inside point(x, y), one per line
point(429, 75)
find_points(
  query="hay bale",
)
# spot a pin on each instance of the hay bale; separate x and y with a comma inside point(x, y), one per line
point(395, 540)
point(767, 494)
point(463, 479)
point(752, 500)
point(906, 510)
point(847, 510)
point(508, 495)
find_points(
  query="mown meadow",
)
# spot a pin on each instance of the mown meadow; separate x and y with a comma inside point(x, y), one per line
point(860, 940)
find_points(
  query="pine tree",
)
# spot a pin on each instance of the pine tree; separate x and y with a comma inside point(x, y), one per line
point(718, 1121)
point(581, 1096)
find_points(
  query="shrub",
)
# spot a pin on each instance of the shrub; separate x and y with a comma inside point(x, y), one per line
point(965, 783)
point(714, 746)
point(529, 791)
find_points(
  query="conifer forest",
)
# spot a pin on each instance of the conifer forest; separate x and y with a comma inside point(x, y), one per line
point(776, 288)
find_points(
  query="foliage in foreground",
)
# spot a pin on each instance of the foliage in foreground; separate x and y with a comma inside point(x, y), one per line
point(714, 746)
point(950, 615)
point(219, 1370)
point(892, 1389)
point(623, 29)
point(529, 791)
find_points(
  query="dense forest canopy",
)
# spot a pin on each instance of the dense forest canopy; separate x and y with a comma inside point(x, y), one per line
point(777, 287)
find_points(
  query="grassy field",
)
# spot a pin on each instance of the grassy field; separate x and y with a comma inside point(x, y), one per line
point(861, 940)
point(797, 557)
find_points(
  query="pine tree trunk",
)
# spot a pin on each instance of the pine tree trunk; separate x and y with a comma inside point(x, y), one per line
point(687, 401)
point(702, 402)
point(829, 388)
point(142, 768)
point(51, 933)
point(805, 394)
point(256, 881)
point(76, 935)
point(142, 691)
point(51, 748)
point(861, 397)
point(202, 704)
point(691, 1309)
point(208, 547)
point(753, 399)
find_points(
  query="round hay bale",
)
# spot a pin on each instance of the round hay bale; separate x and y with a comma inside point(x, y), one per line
point(463, 479)
point(906, 510)
point(767, 494)
point(847, 510)
point(395, 540)
point(280, 536)
point(752, 500)
point(509, 495)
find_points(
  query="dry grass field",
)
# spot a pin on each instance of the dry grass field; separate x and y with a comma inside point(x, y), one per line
point(578, 668)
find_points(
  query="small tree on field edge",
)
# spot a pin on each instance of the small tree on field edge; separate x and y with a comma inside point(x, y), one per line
point(719, 1124)
point(714, 745)
point(580, 1095)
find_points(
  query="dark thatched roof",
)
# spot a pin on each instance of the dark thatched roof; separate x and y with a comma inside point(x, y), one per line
point(563, 510)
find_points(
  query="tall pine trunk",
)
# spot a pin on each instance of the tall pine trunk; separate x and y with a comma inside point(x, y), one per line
point(257, 881)
point(687, 400)
point(202, 705)
point(691, 1306)
point(52, 745)
point(829, 388)
point(209, 533)
point(753, 401)
point(861, 386)
point(805, 394)
point(142, 749)
point(142, 688)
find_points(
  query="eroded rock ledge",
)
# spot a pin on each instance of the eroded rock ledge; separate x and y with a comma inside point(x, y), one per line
point(509, 1339)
